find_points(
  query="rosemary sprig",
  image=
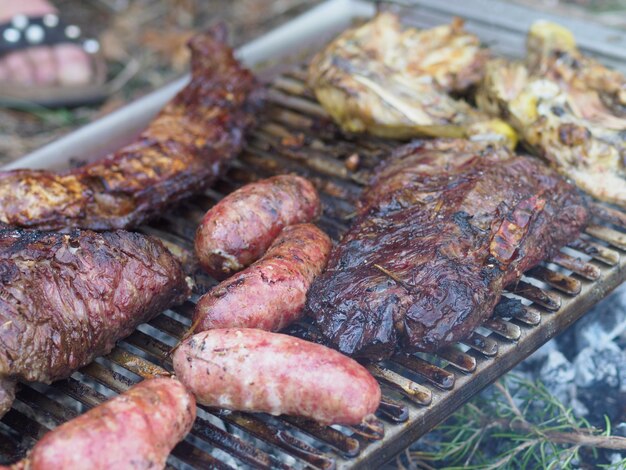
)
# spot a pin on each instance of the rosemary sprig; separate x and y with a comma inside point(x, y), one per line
point(521, 426)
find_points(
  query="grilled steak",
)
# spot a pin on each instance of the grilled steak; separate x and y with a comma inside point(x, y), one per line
point(181, 152)
point(444, 227)
point(67, 298)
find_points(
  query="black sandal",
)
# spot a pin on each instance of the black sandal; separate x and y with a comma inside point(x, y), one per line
point(23, 32)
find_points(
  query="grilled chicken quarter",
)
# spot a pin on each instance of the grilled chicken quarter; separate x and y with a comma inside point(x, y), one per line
point(391, 81)
point(239, 229)
point(566, 107)
point(181, 152)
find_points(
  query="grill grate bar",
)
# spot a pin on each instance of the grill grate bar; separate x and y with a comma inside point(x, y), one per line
point(277, 437)
point(195, 457)
point(609, 235)
point(24, 425)
point(485, 345)
point(437, 376)
point(583, 269)
point(458, 359)
point(608, 214)
point(347, 445)
point(235, 446)
point(413, 391)
point(392, 410)
point(544, 298)
point(561, 282)
point(528, 315)
point(598, 252)
point(503, 328)
point(45, 408)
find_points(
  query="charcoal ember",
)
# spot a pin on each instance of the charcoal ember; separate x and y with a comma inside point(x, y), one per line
point(600, 366)
point(557, 373)
point(579, 408)
point(508, 308)
point(600, 373)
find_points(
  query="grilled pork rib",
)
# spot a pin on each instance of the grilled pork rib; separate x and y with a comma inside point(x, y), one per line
point(67, 298)
point(444, 227)
point(181, 152)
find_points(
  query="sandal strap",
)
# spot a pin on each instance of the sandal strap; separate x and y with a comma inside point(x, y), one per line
point(24, 31)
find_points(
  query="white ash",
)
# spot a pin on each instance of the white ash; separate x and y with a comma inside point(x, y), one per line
point(606, 322)
point(586, 366)
point(558, 375)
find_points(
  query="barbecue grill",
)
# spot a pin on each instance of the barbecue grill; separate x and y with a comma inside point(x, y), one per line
point(295, 135)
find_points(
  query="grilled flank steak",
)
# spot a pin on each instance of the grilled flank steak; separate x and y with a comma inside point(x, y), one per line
point(67, 298)
point(443, 228)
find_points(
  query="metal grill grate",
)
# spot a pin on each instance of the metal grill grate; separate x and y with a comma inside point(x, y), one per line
point(419, 390)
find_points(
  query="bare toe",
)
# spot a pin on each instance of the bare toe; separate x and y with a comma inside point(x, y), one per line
point(4, 72)
point(73, 64)
point(20, 69)
point(44, 64)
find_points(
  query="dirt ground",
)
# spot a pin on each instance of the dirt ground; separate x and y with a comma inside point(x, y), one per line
point(144, 45)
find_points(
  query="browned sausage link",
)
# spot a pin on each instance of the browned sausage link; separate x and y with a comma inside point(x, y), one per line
point(255, 370)
point(136, 430)
point(236, 231)
point(271, 293)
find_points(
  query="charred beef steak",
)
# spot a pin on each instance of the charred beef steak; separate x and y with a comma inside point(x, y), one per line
point(182, 151)
point(443, 228)
point(67, 298)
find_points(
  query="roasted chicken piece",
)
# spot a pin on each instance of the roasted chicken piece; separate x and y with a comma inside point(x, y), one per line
point(566, 107)
point(390, 82)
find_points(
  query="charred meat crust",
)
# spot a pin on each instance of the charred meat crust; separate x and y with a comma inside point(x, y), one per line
point(7, 395)
point(181, 152)
point(67, 298)
point(443, 228)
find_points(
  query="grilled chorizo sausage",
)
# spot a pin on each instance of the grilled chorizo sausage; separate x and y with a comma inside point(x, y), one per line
point(255, 370)
point(136, 430)
point(237, 230)
point(271, 293)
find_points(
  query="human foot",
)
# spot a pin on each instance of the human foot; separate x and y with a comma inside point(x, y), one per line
point(63, 64)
